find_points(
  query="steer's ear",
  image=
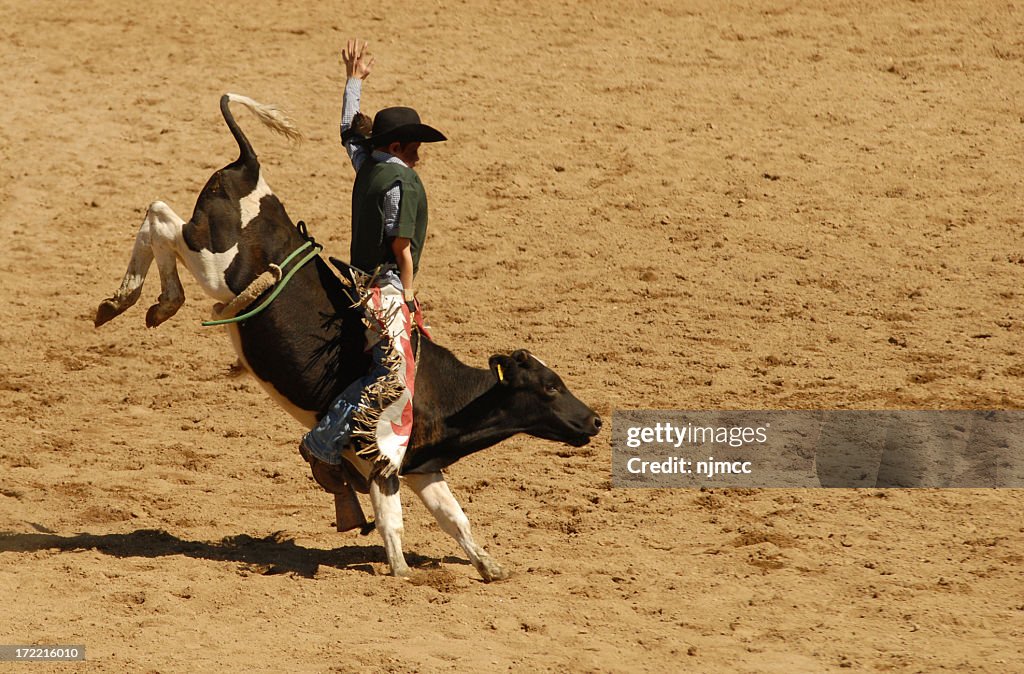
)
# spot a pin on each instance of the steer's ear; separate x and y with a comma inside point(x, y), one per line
point(503, 368)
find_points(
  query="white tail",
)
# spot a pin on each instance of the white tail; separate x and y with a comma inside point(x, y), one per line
point(270, 115)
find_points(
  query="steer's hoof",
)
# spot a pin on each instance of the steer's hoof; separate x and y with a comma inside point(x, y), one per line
point(107, 310)
point(155, 316)
point(491, 571)
point(401, 572)
point(162, 310)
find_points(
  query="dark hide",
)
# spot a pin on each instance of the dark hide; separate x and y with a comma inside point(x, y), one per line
point(459, 410)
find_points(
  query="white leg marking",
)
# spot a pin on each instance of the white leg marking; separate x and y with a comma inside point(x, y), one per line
point(157, 237)
point(166, 231)
point(138, 267)
point(387, 509)
point(437, 497)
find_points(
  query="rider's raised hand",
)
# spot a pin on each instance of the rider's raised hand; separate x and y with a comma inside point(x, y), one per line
point(358, 63)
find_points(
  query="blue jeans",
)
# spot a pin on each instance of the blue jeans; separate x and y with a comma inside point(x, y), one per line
point(331, 435)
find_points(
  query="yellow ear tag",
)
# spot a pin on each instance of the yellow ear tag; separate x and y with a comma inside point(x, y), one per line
point(501, 375)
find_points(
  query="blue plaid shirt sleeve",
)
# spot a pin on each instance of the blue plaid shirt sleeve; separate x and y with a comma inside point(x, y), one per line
point(349, 107)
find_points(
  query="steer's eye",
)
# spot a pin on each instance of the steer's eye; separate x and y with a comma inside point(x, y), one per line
point(550, 389)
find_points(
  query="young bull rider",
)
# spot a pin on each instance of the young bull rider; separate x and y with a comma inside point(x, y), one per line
point(389, 225)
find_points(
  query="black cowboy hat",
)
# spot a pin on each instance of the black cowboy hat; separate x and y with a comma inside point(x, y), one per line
point(402, 125)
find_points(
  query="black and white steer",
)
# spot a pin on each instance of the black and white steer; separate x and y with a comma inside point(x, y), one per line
point(308, 345)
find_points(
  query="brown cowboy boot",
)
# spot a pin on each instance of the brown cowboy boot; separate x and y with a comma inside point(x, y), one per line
point(348, 512)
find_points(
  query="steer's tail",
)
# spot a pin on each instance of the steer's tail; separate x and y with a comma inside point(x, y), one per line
point(270, 115)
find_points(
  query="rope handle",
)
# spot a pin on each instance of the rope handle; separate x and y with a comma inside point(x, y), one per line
point(279, 287)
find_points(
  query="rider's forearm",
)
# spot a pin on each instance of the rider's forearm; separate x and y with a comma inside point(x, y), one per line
point(403, 258)
point(349, 108)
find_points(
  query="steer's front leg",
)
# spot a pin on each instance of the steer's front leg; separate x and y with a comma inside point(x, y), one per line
point(387, 509)
point(435, 494)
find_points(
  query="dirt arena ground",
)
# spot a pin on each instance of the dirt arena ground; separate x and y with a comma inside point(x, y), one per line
point(678, 205)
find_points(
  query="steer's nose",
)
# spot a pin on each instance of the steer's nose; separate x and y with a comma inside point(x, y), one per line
point(596, 423)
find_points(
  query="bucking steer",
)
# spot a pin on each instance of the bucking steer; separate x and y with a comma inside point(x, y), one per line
point(308, 345)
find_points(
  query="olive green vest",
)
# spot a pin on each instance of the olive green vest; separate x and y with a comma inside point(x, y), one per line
point(370, 247)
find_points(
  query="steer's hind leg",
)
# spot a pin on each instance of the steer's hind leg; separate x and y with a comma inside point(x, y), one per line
point(172, 294)
point(387, 509)
point(158, 235)
point(166, 234)
point(435, 494)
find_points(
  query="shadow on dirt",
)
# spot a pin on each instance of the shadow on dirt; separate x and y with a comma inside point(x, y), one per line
point(273, 554)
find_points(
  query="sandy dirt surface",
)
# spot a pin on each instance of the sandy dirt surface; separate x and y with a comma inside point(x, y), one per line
point(676, 205)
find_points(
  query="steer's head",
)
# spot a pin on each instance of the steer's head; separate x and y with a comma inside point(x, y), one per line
point(540, 401)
